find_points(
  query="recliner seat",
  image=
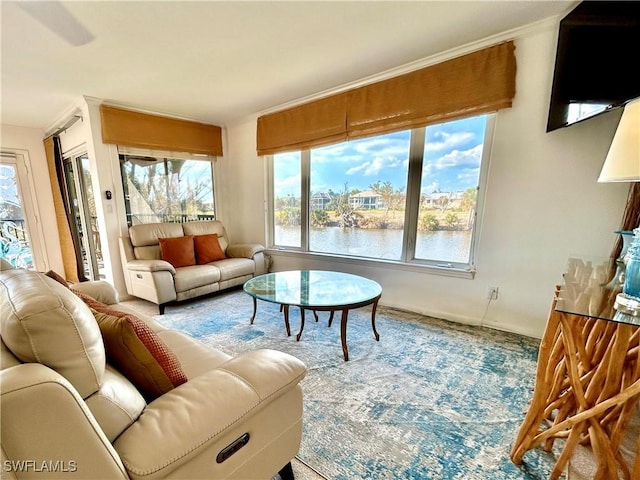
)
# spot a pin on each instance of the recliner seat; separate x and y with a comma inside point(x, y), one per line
point(66, 409)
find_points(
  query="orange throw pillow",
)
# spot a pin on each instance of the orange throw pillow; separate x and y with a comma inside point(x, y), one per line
point(57, 277)
point(178, 251)
point(136, 350)
point(207, 248)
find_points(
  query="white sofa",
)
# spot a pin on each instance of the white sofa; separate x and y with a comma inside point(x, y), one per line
point(148, 276)
point(66, 412)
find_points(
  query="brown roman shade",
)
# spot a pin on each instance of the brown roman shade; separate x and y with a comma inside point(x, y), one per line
point(476, 83)
point(142, 130)
point(472, 84)
point(310, 125)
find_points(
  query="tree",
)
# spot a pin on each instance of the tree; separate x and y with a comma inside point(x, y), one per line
point(451, 219)
point(443, 202)
point(345, 211)
point(428, 223)
point(319, 218)
point(469, 198)
point(392, 199)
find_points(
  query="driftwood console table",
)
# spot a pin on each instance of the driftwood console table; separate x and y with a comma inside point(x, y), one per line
point(588, 376)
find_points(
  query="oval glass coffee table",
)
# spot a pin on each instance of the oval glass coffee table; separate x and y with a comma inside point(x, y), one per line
point(316, 290)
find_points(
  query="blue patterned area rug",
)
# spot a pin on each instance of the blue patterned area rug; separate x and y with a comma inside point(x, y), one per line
point(430, 400)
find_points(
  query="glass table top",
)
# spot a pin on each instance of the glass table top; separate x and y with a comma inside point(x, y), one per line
point(313, 288)
point(590, 289)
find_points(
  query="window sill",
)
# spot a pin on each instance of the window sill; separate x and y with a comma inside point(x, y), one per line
point(370, 262)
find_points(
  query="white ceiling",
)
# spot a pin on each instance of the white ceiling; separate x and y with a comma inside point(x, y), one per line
point(218, 62)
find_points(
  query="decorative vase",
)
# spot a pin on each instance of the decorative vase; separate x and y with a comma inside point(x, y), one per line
point(632, 270)
point(617, 281)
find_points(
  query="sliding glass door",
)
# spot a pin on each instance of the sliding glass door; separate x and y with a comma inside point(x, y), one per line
point(84, 218)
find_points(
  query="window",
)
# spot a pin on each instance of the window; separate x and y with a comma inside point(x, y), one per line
point(410, 196)
point(162, 188)
point(287, 214)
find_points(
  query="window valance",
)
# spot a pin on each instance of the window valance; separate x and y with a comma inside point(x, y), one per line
point(472, 84)
point(142, 130)
point(309, 125)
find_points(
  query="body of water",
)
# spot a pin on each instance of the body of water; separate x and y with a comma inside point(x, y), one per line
point(440, 245)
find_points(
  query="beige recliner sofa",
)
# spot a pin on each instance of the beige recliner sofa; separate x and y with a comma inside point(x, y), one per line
point(66, 412)
point(149, 277)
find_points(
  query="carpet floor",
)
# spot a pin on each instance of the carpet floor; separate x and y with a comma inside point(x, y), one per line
point(430, 400)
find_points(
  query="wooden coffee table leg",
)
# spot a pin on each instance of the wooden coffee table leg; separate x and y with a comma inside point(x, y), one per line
point(343, 334)
point(373, 320)
point(331, 318)
point(286, 319)
point(301, 324)
point(255, 307)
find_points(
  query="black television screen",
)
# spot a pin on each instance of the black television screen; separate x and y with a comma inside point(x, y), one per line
point(596, 67)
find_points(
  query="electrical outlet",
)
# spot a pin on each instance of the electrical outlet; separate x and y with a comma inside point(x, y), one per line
point(493, 293)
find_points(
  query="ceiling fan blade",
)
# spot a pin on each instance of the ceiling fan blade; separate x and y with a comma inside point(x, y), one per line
point(59, 20)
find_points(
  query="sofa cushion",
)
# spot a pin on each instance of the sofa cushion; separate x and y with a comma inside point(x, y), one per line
point(44, 322)
point(178, 251)
point(196, 358)
point(206, 227)
point(117, 404)
point(187, 278)
point(144, 238)
point(231, 268)
point(207, 248)
point(147, 234)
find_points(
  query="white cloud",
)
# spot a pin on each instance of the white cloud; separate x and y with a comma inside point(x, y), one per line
point(361, 151)
point(287, 185)
point(431, 187)
point(457, 159)
point(469, 175)
point(374, 167)
point(448, 141)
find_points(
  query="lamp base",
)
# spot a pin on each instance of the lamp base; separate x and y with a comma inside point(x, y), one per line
point(627, 304)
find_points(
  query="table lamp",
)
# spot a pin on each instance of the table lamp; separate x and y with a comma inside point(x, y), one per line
point(623, 165)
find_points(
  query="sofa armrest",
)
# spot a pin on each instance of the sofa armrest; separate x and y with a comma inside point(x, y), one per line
point(244, 250)
point(150, 266)
point(183, 428)
point(44, 419)
point(100, 290)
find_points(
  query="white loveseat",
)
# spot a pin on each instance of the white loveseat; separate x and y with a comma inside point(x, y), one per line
point(149, 277)
point(68, 412)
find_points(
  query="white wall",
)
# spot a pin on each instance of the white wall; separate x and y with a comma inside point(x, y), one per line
point(29, 142)
point(543, 204)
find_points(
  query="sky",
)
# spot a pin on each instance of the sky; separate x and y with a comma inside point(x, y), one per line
point(452, 154)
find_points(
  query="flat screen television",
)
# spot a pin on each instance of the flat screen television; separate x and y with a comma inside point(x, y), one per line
point(596, 67)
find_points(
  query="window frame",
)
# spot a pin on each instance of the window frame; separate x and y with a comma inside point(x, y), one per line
point(407, 258)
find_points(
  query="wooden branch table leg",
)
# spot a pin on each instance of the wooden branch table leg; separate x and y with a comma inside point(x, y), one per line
point(587, 387)
point(544, 383)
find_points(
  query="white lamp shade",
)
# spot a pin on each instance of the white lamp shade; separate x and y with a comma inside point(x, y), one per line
point(623, 160)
